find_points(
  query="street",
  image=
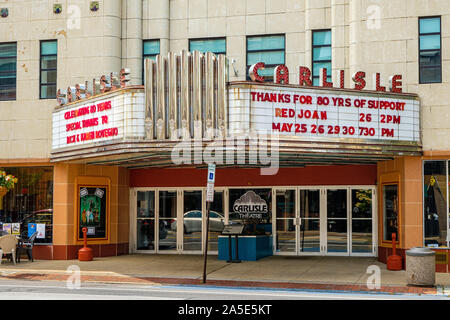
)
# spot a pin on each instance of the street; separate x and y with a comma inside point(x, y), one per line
point(58, 290)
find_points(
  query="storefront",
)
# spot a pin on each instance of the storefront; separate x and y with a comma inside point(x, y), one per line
point(301, 219)
point(317, 170)
point(435, 203)
point(29, 202)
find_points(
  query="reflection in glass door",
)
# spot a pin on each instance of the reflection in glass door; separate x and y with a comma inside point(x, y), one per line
point(309, 238)
point(167, 221)
point(336, 223)
point(145, 226)
point(192, 220)
point(362, 229)
point(286, 233)
point(216, 221)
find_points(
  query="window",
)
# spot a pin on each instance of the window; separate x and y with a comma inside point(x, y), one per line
point(390, 212)
point(8, 64)
point(47, 83)
point(151, 49)
point(321, 54)
point(435, 203)
point(29, 203)
point(430, 59)
point(214, 215)
point(267, 49)
point(193, 214)
point(216, 46)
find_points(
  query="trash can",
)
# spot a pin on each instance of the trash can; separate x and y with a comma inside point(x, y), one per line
point(421, 267)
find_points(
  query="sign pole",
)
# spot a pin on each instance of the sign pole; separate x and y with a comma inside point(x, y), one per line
point(208, 206)
point(209, 199)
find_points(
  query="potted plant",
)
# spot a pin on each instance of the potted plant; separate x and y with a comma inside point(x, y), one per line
point(7, 182)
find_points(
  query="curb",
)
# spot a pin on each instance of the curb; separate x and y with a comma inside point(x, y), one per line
point(386, 289)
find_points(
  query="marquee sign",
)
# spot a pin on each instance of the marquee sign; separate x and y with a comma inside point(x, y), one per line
point(100, 120)
point(250, 206)
point(88, 89)
point(188, 97)
point(281, 76)
point(305, 112)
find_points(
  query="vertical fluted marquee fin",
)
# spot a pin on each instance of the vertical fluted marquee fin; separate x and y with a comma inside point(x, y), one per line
point(149, 105)
point(197, 93)
point(222, 75)
point(172, 84)
point(209, 93)
point(187, 92)
point(185, 100)
point(161, 99)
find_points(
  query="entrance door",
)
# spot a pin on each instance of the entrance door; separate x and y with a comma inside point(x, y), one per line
point(167, 221)
point(297, 222)
point(174, 221)
point(285, 221)
point(324, 221)
point(193, 221)
point(154, 221)
point(309, 237)
point(145, 221)
point(363, 224)
point(336, 222)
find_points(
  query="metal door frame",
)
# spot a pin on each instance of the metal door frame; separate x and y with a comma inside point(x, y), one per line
point(323, 219)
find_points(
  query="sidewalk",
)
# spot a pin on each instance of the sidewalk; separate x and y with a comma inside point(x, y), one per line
point(317, 273)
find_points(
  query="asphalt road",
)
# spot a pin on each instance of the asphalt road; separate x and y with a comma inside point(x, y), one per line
point(57, 290)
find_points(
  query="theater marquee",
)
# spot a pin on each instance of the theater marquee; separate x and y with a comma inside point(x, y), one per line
point(99, 120)
point(313, 113)
point(188, 97)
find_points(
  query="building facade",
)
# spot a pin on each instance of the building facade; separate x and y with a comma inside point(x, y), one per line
point(150, 205)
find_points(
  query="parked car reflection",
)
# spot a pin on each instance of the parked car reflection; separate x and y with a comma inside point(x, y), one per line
point(192, 221)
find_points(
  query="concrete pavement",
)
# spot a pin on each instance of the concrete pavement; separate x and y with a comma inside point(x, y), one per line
point(339, 273)
point(56, 290)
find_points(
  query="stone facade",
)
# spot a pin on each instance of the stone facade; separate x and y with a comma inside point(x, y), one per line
point(367, 35)
point(93, 43)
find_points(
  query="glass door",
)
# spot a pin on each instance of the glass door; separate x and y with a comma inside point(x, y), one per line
point(285, 221)
point(216, 221)
point(192, 221)
point(297, 221)
point(167, 221)
point(337, 235)
point(309, 237)
point(145, 221)
point(362, 222)
point(325, 221)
